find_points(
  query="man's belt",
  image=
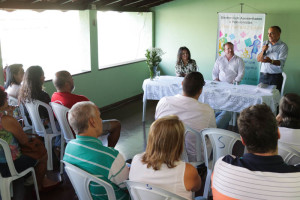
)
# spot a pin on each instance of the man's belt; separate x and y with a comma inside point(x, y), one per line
point(267, 74)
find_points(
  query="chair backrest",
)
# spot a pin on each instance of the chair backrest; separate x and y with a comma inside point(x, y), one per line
point(61, 112)
point(193, 142)
point(33, 110)
point(81, 179)
point(8, 157)
point(14, 102)
point(283, 82)
point(143, 191)
point(222, 142)
point(290, 155)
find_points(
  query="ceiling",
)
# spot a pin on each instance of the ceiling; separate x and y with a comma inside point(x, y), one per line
point(115, 5)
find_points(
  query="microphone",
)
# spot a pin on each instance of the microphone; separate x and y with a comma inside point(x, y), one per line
point(265, 52)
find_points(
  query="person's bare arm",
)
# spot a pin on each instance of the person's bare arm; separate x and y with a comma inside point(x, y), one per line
point(12, 125)
point(260, 57)
point(192, 180)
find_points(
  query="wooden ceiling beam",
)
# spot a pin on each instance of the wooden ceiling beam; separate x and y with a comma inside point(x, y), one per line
point(40, 6)
point(156, 3)
point(104, 2)
point(124, 9)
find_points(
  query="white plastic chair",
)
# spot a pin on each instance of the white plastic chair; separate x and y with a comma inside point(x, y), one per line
point(283, 83)
point(61, 112)
point(193, 137)
point(5, 182)
point(81, 179)
point(222, 142)
point(290, 155)
point(143, 191)
point(14, 102)
point(33, 110)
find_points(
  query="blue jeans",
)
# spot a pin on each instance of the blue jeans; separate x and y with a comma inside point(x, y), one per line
point(222, 119)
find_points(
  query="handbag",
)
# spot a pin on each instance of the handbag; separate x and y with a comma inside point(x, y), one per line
point(34, 148)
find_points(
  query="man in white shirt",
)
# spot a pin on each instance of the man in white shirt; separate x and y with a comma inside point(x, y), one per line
point(193, 113)
point(228, 68)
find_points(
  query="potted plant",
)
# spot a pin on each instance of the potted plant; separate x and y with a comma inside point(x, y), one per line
point(153, 56)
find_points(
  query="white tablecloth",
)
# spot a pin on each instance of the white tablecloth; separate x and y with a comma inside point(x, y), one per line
point(218, 95)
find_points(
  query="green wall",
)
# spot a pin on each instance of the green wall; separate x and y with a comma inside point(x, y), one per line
point(193, 23)
point(106, 86)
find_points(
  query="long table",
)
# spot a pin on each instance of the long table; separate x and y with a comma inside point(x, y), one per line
point(219, 95)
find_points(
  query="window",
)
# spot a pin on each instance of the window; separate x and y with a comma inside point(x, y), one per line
point(123, 37)
point(55, 40)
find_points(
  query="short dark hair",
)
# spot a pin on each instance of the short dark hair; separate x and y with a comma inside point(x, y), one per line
point(180, 50)
point(258, 128)
point(193, 83)
point(289, 111)
point(277, 28)
point(12, 70)
point(3, 96)
point(227, 43)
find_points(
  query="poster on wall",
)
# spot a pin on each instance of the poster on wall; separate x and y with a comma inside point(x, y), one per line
point(245, 31)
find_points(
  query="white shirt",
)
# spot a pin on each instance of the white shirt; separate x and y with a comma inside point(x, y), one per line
point(228, 71)
point(13, 90)
point(170, 179)
point(193, 113)
point(278, 51)
point(290, 136)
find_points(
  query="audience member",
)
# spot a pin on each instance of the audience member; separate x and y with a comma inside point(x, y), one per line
point(14, 77)
point(184, 64)
point(272, 57)
point(288, 120)
point(193, 113)
point(64, 85)
point(32, 89)
point(228, 68)
point(161, 163)
point(12, 133)
point(88, 153)
point(261, 173)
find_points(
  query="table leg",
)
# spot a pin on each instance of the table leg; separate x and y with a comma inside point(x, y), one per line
point(145, 138)
point(144, 110)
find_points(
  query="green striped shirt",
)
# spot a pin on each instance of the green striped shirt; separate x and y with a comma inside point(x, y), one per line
point(106, 163)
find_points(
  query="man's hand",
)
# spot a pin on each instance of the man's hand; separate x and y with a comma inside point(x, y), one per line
point(267, 60)
point(265, 48)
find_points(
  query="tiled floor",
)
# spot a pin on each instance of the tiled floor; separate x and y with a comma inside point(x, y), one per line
point(130, 143)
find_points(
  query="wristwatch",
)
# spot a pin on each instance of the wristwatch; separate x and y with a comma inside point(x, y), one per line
point(272, 61)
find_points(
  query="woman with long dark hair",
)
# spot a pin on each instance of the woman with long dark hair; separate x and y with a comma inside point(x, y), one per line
point(184, 64)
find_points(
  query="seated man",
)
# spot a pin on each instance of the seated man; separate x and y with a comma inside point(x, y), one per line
point(88, 153)
point(190, 111)
point(228, 68)
point(64, 85)
point(261, 173)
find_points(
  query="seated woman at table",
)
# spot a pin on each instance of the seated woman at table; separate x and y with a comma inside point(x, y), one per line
point(184, 64)
point(14, 77)
point(288, 120)
point(161, 164)
point(13, 134)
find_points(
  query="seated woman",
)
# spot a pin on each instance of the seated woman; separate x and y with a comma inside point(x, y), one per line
point(288, 120)
point(184, 64)
point(12, 133)
point(14, 77)
point(161, 164)
point(32, 89)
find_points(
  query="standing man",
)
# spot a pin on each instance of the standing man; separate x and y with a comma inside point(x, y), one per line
point(228, 68)
point(272, 58)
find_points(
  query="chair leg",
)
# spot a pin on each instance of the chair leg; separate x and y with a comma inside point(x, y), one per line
point(62, 151)
point(207, 186)
point(35, 185)
point(5, 189)
point(48, 145)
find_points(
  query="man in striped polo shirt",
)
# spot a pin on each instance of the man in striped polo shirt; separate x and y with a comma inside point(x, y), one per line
point(261, 173)
point(88, 153)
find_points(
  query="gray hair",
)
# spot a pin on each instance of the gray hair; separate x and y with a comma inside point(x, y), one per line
point(80, 114)
point(60, 79)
